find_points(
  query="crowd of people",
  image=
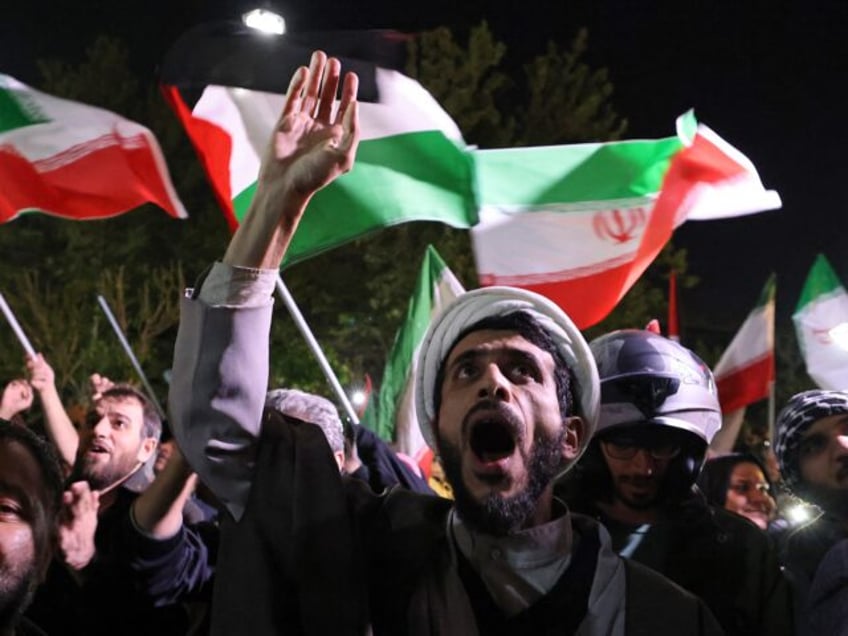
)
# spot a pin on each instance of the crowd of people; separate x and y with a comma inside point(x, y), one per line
point(582, 499)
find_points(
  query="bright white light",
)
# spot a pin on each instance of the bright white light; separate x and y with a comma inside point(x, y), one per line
point(839, 335)
point(798, 514)
point(265, 21)
point(358, 398)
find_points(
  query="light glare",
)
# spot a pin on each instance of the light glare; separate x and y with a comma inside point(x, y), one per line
point(358, 398)
point(798, 514)
point(265, 21)
point(839, 335)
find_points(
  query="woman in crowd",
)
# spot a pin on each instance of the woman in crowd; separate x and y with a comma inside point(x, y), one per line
point(739, 483)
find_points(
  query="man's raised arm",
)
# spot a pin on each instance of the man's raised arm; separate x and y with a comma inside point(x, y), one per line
point(220, 371)
point(310, 147)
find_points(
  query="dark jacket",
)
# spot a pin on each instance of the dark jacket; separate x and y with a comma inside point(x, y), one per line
point(110, 597)
point(803, 552)
point(318, 554)
point(716, 555)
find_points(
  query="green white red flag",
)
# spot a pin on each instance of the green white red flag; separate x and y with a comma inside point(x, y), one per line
point(75, 161)
point(745, 372)
point(392, 414)
point(577, 223)
point(821, 326)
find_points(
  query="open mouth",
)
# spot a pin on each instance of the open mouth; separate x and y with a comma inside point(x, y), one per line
point(492, 439)
point(98, 449)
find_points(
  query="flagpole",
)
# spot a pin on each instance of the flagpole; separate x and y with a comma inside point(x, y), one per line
point(128, 350)
point(771, 409)
point(16, 327)
point(313, 345)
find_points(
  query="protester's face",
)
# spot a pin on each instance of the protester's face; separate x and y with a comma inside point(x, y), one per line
point(22, 507)
point(823, 460)
point(748, 494)
point(501, 434)
point(636, 479)
point(111, 443)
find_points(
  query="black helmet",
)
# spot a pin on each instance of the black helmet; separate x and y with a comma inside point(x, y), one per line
point(647, 379)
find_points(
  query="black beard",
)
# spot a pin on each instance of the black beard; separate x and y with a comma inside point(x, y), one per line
point(16, 598)
point(496, 515)
point(101, 477)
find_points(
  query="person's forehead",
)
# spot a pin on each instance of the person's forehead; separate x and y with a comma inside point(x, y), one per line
point(491, 340)
point(120, 403)
point(127, 406)
point(826, 424)
point(746, 470)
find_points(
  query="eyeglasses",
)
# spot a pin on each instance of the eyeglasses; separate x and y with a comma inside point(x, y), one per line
point(620, 449)
point(747, 487)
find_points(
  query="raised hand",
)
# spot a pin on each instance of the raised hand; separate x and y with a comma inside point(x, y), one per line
point(41, 374)
point(312, 144)
point(98, 385)
point(16, 397)
point(56, 421)
point(78, 525)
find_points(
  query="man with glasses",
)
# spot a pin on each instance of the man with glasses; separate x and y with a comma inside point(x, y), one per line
point(812, 449)
point(659, 411)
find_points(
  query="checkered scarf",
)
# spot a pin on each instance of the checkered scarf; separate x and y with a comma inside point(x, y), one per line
point(799, 414)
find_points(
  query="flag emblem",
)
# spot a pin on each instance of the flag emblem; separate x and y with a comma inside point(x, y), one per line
point(620, 226)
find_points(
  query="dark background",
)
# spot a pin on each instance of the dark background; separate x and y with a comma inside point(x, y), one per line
point(767, 76)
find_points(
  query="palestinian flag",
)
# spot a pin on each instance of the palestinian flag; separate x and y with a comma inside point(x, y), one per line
point(411, 163)
point(392, 415)
point(75, 161)
point(821, 325)
point(745, 372)
point(577, 223)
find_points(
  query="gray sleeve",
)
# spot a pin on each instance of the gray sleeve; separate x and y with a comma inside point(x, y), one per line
point(217, 393)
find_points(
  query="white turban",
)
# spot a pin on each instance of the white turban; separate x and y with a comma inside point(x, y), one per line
point(474, 306)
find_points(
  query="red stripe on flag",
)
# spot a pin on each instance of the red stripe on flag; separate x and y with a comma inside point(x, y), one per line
point(746, 385)
point(587, 299)
point(213, 147)
point(100, 183)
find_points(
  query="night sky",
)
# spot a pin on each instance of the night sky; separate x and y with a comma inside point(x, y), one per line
point(767, 76)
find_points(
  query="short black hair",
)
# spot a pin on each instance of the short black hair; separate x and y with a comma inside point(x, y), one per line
point(525, 325)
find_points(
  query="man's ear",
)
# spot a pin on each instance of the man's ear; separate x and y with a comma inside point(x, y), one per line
point(148, 447)
point(340, 458)
point(573, 438)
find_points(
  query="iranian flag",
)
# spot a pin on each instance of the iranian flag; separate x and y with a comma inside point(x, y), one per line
point(392, 415)
point(576, 223)
point(821, 325)
point(75, 161)
point(745, 371)
point(579, 224)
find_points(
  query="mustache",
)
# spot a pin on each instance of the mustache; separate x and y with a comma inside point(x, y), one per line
point(494, 409)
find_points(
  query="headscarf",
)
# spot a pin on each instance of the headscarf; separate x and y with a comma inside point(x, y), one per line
point(800, 413)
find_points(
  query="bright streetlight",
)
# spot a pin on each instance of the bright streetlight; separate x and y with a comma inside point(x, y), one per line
point(265, 20)
point(358, 398)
